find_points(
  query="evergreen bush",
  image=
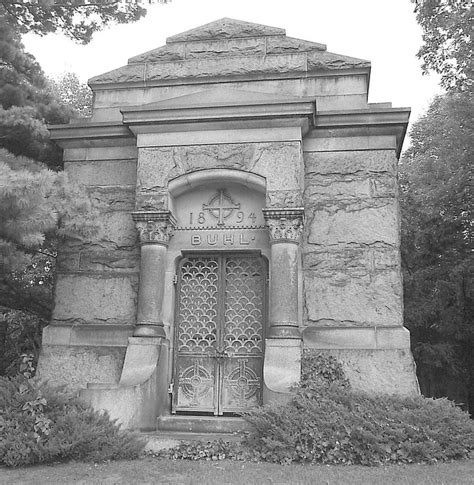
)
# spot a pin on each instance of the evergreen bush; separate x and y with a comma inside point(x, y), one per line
point(327, 422)
point(42, 424)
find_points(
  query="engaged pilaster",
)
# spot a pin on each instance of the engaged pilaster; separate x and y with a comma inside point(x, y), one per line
point(155, 229)
point(285, 227)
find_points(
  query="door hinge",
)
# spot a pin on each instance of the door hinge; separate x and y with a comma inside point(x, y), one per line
point(175, 279)
point(170, 388)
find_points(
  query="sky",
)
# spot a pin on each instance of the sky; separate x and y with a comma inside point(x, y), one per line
point(382, 31)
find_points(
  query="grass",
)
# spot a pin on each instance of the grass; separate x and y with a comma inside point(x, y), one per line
point(163, 471)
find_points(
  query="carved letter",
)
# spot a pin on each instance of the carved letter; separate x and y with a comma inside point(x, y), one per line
point(212, 239)
point(242, 241)
point(228, 238)
point(195, 239)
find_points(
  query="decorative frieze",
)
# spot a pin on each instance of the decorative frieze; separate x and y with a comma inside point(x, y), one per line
point(154, 227)
point(284, 224)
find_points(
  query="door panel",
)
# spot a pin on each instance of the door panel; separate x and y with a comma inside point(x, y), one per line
point(219, 337)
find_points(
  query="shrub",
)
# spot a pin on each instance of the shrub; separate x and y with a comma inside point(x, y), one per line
point(41, 424)
point(327, 422)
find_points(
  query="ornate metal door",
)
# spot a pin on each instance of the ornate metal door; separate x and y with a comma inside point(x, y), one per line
point(219, 334)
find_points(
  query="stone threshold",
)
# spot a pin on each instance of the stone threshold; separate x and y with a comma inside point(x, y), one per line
point(204, 425)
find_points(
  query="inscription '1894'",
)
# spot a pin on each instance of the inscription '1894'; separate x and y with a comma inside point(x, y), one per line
point(221, 239)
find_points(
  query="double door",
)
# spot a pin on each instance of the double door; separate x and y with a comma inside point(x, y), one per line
point(219, 333)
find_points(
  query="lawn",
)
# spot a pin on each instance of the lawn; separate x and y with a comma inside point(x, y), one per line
point(154, 470)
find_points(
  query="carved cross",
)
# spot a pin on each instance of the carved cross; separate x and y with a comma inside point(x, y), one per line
point(221, 211)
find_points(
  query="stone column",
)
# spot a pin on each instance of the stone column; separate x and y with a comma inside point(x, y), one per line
point(155, 229)
point(285, 227)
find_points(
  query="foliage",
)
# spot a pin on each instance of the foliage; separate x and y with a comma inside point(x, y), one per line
point(77, 19)
point(326, 422)
point(329, 423)
point(41, 424)
point(26, 104)
point(437, 261)
point(447, 48)
point(74, 94)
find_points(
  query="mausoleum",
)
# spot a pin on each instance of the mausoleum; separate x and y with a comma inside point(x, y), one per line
point(249, 211)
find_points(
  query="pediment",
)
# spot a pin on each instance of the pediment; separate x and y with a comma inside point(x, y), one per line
point(225, 28)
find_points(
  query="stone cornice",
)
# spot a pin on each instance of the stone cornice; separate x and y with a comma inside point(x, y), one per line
point(386, 120)
point(285, 225)
point(154, 227)
point(301, 111)
point(78, 135)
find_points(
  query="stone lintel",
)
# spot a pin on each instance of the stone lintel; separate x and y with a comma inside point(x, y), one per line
point(219, 137)
point(370, 338)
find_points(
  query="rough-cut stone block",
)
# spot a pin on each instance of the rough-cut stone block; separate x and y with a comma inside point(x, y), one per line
point(110, 260)
point(95, 299)
point(102, 172)
point(284, 198)
point(155, 167)
point(281, 164)
point(355, 260)
point(328, 60)
point(354, 223)
point(350, 186)
point(118, 229)
point(125, 74)
point(379, 371)
point(350, 162)
point(151, 199)
point(77, 366)
point(219, 67)
point(114, 198)
point(231, 47)
point(371, 300)
point(281, 45)
point(169, 52)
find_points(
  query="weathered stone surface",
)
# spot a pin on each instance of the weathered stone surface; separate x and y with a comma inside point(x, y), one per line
point(169, 52)
point(329, 61)
point(225, 28)
point(126, 74)
point(282, 44)
point(349, 186)
point(114, 197)
point(284, 198)
point(218, 67)
point(100, 153)
point(151, 199)
point(77, 366)
point(155, 167)
point(106, 260)
point(102, 172)
point(359, 223)
point(95, 299)
point(379, 372)
point(350, 162)
point(355, 260)
point(117, 228)
point(231, 47)
point(353, 300)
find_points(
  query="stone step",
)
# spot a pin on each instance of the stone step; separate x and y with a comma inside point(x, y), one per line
point(201, 424)
point(162, 440)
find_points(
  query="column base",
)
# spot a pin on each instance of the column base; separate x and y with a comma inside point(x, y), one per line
point(149, 330)
point(284, 331)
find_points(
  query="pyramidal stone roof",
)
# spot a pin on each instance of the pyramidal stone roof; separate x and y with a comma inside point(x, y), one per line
point(224, 49)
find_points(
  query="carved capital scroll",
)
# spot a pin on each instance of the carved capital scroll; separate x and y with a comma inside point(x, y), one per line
point(154, 227)
point(284, 224)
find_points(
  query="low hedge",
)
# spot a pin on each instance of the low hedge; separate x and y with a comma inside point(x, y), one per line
point(42, 424)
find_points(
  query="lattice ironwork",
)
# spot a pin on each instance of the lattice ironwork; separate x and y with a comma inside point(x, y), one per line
point(219, 337)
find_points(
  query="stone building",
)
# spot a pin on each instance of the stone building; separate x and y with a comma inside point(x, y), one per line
point(249, 208)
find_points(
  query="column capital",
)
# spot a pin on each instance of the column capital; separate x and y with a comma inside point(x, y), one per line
point(154, 227)
point(284, 224)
